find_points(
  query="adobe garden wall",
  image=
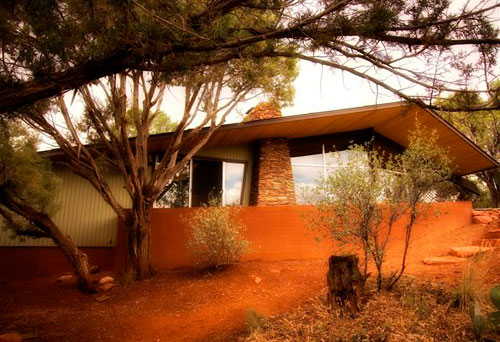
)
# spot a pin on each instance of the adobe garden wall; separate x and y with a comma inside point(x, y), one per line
point(279, 233)
point(275, 233)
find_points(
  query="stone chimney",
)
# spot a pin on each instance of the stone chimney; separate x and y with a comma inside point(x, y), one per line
point(272, 178)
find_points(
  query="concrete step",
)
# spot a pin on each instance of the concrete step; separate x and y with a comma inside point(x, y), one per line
point(469, 251)
point(492, 234)
point(487, 242)
point(444, 260)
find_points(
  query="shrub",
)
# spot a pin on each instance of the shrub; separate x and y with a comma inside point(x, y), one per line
point(360, 201)
point(215, 236)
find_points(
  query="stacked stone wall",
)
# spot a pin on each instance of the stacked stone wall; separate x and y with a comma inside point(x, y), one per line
point(489, 217)
point(272, 179)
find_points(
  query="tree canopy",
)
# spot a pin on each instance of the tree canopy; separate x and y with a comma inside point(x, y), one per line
point(52, 46)
point(482, 127)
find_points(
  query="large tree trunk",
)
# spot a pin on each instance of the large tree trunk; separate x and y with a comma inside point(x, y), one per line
point(139, 243)
point(344, 284)
point(77, 259)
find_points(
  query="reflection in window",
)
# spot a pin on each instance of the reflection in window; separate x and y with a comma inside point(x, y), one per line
point(176, 194)
point(210, 179)
point(233, 183)
point(308, 170)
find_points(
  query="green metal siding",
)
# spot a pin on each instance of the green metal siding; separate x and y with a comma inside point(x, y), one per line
point(83, 214)
point(90, 222)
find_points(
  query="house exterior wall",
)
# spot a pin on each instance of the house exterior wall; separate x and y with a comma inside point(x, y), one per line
point(272, 178)
point(90, 221)
point(82, 214)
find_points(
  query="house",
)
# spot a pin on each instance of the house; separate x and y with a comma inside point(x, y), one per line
point(257, 163)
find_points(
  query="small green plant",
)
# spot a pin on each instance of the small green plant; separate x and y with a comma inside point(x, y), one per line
point(215, 237)
point(484, 326)
point(255, 320)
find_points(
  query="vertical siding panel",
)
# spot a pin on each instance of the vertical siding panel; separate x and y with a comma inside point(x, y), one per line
point(88, 219)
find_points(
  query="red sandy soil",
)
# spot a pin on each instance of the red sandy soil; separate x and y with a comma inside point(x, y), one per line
point(187, 306)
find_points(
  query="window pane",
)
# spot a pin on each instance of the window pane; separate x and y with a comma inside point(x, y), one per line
point(176, 194)
point(233, 183)
point(313, 159)
point(207, 182)
point(305, 177)
point(341, 158)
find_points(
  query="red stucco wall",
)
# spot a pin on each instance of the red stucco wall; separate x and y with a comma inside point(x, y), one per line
point(275, 233)
point(279, 232)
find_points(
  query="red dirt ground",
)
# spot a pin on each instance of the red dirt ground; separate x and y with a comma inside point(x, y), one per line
point(186, 306)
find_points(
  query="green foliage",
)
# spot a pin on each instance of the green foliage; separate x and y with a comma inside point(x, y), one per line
point(25, 176)
point(495, 296)
point(255, 320)
point(361, 200)
point(215, 236)
point(483, 128)
point(490, 325)
point(178, 36)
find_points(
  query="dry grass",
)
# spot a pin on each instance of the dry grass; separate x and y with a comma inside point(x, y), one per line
point(411, 312)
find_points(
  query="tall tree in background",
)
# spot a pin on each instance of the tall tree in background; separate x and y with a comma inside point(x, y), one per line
point(130, 105)
point(28, 189)
point(50, 47)
point(482, 127)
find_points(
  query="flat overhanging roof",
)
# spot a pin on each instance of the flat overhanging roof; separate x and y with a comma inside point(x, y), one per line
point(392, 120)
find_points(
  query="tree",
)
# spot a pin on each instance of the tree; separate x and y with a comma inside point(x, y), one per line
point(27, 197)
point(424, 169)
point(350, 207)
point(50, 47)
point(482, 127)
point(362, 199)
point(118, 127)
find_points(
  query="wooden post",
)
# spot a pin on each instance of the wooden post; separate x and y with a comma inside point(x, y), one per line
point(344, 284)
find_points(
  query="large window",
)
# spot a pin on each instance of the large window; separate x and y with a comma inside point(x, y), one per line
point(202, 180)
point(309, 169)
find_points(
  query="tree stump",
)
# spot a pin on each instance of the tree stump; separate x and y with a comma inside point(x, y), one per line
point(344, 284)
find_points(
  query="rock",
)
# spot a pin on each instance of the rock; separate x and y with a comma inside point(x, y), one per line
point(492, 234)
point(11, 337)
point(275, 271)
point(482, 219)
point(469, 251)
point(107, 286)
point(257, 280)
point(106, 280)
point(94, 269)
point(27, 337)
point(64, 278)
point(443, 260)
point(477, 212)
point(487, 242)
point(102, 299)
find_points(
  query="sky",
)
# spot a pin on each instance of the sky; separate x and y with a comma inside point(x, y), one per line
point(317, 88)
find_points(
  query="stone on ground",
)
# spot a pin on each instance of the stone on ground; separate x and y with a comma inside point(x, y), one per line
point(482, 219)
point(487, 242)
point(107, 286)
point(492, 234)
point(469, 251)
point(445, 260)
point(11, 337)
point(102, 299)
point(106, 280)
point(64, 278)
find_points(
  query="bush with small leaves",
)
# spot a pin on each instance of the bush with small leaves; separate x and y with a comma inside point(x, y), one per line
point(215, 236)
point(489, 325)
